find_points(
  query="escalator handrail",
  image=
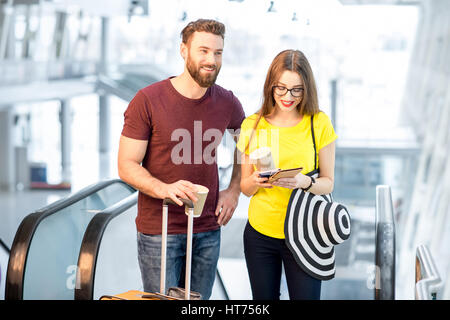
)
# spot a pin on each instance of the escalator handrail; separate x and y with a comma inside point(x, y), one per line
point(384, 244)
point(428, 280)
point(87, 259)
point(27, 228)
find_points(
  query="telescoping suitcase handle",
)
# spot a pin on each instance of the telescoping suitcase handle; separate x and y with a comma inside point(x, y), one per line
point(189, 204)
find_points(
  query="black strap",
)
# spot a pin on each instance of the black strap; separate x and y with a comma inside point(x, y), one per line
point(314, 143)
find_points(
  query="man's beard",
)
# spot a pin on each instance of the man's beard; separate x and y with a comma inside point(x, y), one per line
point(203, 80)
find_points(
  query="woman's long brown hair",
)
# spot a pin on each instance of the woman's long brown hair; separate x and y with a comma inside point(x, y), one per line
point(290, 60)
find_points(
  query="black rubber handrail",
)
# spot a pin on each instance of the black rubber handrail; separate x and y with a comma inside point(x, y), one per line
point(25, 232)
point(87, 259)
point(4, 246)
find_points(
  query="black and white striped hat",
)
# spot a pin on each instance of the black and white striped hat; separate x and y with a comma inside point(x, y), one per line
point(314, 225)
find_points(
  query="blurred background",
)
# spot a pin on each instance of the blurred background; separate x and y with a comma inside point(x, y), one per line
point(68, 70)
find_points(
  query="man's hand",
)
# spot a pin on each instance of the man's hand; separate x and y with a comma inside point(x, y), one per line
point(180, 189)
point(227, 203)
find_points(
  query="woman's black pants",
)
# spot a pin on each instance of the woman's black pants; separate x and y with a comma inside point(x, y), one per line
point(264, 256)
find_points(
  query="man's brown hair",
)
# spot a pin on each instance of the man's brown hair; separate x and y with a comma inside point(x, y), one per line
point(203, 25)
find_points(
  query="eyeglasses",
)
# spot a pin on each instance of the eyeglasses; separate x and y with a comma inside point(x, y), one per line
point(281, 91)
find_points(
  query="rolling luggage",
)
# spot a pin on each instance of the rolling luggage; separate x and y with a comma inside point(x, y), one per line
point(174, 293)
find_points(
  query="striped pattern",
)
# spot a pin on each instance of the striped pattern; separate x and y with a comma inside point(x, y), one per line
point(314, 225)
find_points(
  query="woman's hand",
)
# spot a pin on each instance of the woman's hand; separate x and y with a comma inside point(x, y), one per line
point(257, 181)
point(300, 181)
point(250, 179)
point(252, 182)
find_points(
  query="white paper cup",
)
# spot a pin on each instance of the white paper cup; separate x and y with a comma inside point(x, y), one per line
point(201, 194)
point(262, 158)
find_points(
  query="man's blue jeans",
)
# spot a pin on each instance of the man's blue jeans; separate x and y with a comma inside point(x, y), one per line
point(205, 253)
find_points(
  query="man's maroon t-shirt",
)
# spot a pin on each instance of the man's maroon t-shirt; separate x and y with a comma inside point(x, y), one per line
point(182, 137)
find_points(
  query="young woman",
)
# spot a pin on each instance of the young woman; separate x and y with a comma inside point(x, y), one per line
point(284, 124)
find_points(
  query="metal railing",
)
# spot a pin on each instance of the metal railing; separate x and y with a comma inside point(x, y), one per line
point(26, 71)
point(19, 261)
point(428, 281)
point(385, 244)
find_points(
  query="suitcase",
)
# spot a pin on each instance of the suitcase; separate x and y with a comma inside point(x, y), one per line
point(174, 293)
point(137, 295)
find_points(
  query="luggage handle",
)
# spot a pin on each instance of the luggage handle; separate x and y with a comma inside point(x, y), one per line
point(190, 205)
point(187, 202)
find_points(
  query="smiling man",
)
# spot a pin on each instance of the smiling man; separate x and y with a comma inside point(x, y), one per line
point(193, 108)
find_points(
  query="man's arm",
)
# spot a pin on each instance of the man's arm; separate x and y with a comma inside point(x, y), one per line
point(131, 154)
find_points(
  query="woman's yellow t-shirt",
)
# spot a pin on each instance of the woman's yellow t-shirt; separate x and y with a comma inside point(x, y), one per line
point(291, 147)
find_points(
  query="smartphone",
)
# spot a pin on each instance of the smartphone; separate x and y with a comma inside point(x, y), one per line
point(268, 174)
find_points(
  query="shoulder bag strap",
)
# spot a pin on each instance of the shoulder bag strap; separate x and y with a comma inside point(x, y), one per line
point(314, 143)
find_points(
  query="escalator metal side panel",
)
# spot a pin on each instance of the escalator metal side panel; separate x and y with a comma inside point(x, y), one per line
point(87, 259)
point(26, 230)
point(385, 245)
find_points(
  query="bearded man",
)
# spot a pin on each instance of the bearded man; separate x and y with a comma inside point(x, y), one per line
point(192, 107)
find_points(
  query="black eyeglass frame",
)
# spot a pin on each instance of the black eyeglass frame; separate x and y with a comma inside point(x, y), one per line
point(286, 90)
